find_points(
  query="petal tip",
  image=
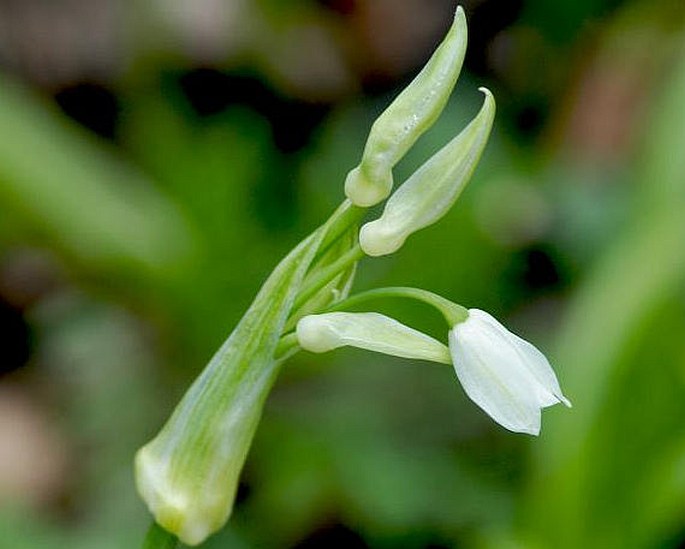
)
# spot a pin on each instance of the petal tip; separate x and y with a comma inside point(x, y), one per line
point(533, 430)
point(486, 91)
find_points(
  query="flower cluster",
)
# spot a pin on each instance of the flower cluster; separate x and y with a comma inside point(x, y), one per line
point(188, 474)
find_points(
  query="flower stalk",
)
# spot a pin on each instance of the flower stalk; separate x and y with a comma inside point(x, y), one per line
point(159, 538)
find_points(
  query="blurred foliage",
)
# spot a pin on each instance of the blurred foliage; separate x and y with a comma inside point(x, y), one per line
point(224, 132)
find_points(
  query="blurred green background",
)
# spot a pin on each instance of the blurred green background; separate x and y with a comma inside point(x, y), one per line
point(158, 157)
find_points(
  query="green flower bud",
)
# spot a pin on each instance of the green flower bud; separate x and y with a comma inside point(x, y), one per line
point(432, 190)
point(407, 118)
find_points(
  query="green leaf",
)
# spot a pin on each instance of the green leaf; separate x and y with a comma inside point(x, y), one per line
point(79, 196)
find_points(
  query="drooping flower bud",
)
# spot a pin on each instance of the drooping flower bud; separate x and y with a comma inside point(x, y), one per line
point(407, 118)
point(432, 190)
point(503, 374)
point(370, 331)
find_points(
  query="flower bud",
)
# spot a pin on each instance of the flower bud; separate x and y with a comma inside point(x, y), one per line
point(432, 190)
point(370, 331)
point(407, 118)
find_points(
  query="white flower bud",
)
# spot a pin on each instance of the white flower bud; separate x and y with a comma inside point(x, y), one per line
point(432, 190)
point(503, 374)
point(370, 331)
point(407, 118)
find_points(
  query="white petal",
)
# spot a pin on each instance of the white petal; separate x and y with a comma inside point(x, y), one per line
point(370, 331)
point(494, 376)
point(549, 391)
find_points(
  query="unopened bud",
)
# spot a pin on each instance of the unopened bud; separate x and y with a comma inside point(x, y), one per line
point(407, 118)
point(370, 331)
point(432, 190)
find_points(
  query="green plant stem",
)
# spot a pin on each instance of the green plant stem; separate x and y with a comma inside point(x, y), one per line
point(158, 538)
point(346, 215)
point(326, 274)
point(453, 313)
point(287, 346)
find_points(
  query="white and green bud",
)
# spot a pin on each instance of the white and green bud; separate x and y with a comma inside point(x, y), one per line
point(370, 331)
point(407, 118)
point(432, 190)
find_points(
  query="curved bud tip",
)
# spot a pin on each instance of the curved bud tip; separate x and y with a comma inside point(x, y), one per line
point(489, 98)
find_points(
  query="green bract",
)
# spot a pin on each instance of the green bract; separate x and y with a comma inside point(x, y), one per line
point(407, 118)
point(188, 474)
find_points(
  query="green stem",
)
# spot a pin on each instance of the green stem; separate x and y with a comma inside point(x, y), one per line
point(158, 538)
point(346, 215)
point(345, 218)
point(326, 274)
point(453, 313)
point(287, 346)
point(342, 219)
